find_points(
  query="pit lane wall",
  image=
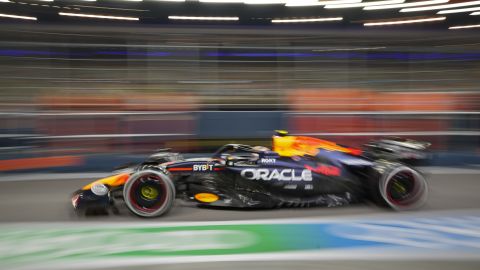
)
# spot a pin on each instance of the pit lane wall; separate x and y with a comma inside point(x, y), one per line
point(91, 132)
point(434, 236)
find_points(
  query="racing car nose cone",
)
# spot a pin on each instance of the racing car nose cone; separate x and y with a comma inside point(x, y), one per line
point(75, 200)
point(99, 189)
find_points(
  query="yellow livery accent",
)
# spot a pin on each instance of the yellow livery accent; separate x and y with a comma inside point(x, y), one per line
point(112, 181)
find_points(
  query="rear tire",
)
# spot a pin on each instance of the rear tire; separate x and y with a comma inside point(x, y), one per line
point(149, 193)
point(401, 188)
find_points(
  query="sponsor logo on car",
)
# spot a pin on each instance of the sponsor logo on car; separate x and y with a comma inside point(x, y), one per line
point(268, 161)
point(281, 175)
point(203, 168)
point(99, 189)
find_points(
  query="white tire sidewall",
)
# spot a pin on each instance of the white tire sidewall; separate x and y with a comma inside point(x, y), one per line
point(170, 194)
point(420, 179)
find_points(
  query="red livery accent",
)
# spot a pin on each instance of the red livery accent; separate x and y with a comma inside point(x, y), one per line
point(325, 170)
point(180, 169)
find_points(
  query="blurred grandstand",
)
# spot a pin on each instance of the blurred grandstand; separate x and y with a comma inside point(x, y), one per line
point(76, 90)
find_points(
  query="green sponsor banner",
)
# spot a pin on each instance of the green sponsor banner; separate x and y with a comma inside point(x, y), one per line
point(30, 243)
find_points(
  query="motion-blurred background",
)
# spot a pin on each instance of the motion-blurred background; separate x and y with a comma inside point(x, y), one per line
point(87, 85)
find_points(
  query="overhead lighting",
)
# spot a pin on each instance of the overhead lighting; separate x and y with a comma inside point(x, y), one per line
point(350, 49)
point(98, 16)
point(463, 4)
point(18, 17)
point(4, 1)
point(475, 13)
point(262, 2)
point(404, 5)
point(465, 26)
point(306, 3)
point(306, 20)
point(375, 3)
point(254, 2)
point(127, 9)
point(203, 18)
point(459, 10)
point(405, 21)
point(221, 1)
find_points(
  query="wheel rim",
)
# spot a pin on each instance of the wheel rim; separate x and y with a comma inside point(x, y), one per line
point(401, 187)
point(148, 193)
point(405, 189)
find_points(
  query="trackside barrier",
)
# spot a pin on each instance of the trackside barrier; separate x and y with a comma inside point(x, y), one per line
point(454, 134)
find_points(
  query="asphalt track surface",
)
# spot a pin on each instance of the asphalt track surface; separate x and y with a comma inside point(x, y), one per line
point(44, 200)
point(316, 265)
point(49, 200)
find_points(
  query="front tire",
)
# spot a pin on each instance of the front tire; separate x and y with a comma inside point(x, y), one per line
point(149, 193)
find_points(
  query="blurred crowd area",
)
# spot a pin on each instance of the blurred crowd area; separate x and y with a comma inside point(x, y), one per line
point(104, 89)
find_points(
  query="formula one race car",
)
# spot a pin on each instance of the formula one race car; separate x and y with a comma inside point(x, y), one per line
point(298, 172)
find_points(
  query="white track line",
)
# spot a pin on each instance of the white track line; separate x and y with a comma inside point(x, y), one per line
point(376, 254)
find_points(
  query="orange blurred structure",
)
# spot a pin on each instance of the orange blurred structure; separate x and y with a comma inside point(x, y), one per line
point(362, 112)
